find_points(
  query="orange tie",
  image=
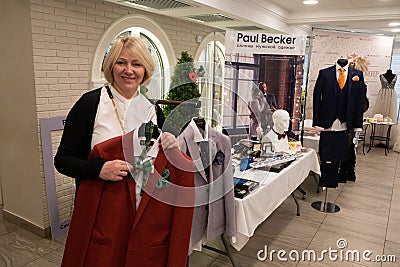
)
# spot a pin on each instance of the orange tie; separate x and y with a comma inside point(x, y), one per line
point(341, 78)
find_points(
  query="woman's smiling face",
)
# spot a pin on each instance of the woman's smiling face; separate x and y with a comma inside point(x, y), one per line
point(128, 74)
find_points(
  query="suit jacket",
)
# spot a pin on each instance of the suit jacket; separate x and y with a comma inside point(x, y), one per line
point(107, 230)
point(214, 212)
point(271, 99)
point(325, 100)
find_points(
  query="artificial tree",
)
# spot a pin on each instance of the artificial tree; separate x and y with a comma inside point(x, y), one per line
point(183, 87)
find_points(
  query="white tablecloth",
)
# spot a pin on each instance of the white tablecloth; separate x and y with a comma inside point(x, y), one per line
point(274, 188)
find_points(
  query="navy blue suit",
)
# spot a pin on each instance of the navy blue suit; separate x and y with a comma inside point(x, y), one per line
point(331, 103)
point(325, 98)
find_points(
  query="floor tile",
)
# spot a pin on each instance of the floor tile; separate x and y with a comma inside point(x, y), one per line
point(393, 231)
point(22, 247)
point(285, 228)
point(394, 211)
point(392, 254)
point(396, 197)
point(198, 259)
point(48, 260)
point(327, 241)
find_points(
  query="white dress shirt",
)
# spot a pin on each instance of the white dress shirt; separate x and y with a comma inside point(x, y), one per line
point(337, 125)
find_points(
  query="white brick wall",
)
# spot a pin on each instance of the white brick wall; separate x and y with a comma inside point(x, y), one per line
point(65, 34)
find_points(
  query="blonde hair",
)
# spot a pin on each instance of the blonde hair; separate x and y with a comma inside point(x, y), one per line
point(134, 46)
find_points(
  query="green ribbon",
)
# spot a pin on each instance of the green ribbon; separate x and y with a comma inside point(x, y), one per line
point(141, 165)
point(163, 180)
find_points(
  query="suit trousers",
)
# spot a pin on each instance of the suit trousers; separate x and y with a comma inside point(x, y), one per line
point(347, 167)
point(333, 149)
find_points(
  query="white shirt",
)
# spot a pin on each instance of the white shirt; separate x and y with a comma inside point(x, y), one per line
point(346, 70)
point(337, 125)
point(133, 112)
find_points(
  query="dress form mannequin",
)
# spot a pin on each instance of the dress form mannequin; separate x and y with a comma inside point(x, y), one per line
point(389, 75)
point(342, 62)
point(277, 136)
point(386, 103)
point(337, 108)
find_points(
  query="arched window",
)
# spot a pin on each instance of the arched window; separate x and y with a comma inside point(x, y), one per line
point(211, 62)
point(210, 68)
point(156, 88)
point(155, 39)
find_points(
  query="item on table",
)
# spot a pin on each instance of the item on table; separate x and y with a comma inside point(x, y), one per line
point(245, 184)
point(245, 163)
point(240, 193)
point(378, 118)
point(295, 145)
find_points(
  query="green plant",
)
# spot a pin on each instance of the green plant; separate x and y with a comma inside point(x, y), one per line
point(183, 87)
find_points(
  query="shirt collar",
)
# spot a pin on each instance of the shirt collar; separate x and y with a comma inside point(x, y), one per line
point(346, 68)
point(196, 132)
point(120, 97)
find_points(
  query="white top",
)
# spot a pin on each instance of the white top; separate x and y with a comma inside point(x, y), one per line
point(133, 112)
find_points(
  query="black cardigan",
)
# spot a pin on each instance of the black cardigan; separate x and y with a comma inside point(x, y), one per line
point(71, 158)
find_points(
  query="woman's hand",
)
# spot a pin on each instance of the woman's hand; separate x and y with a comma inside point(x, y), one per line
point(115, 170)
point(168, 141)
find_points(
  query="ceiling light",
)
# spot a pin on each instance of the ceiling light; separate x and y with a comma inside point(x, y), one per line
point(395, 30)
point(310, 2)
point(394, 24)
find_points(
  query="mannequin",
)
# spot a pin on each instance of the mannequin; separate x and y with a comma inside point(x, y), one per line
point(342, 62)
point(386, 103)
point(389, 75)
point(277, 136)
point(337, 111)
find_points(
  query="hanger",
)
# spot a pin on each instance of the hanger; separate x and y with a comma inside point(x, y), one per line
point(200, 122)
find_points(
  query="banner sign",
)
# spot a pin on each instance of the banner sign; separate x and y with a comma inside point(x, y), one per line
point(264, 43)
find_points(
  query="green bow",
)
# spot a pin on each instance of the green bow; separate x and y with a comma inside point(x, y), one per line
point(141, 165)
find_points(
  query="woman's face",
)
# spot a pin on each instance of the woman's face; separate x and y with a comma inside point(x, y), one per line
point(128, 74)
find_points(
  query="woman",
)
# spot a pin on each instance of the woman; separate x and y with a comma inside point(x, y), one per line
point(104, 230)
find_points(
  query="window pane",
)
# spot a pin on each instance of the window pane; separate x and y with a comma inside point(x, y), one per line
point(155, 89)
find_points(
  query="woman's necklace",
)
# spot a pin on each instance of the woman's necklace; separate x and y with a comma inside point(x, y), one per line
point(115, 108)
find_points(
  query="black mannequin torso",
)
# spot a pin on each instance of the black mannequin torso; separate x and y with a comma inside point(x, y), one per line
point(342, 62)
point(389, 76)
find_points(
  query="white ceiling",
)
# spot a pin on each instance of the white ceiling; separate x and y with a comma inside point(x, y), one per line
point(285, 16)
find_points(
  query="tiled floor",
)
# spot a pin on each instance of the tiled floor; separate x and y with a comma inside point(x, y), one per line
point(369, 219)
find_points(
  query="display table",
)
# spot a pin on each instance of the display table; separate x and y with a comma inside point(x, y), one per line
point(274, 188)
point(373, 137)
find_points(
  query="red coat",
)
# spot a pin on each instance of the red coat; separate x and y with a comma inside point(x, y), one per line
point(106, 230)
